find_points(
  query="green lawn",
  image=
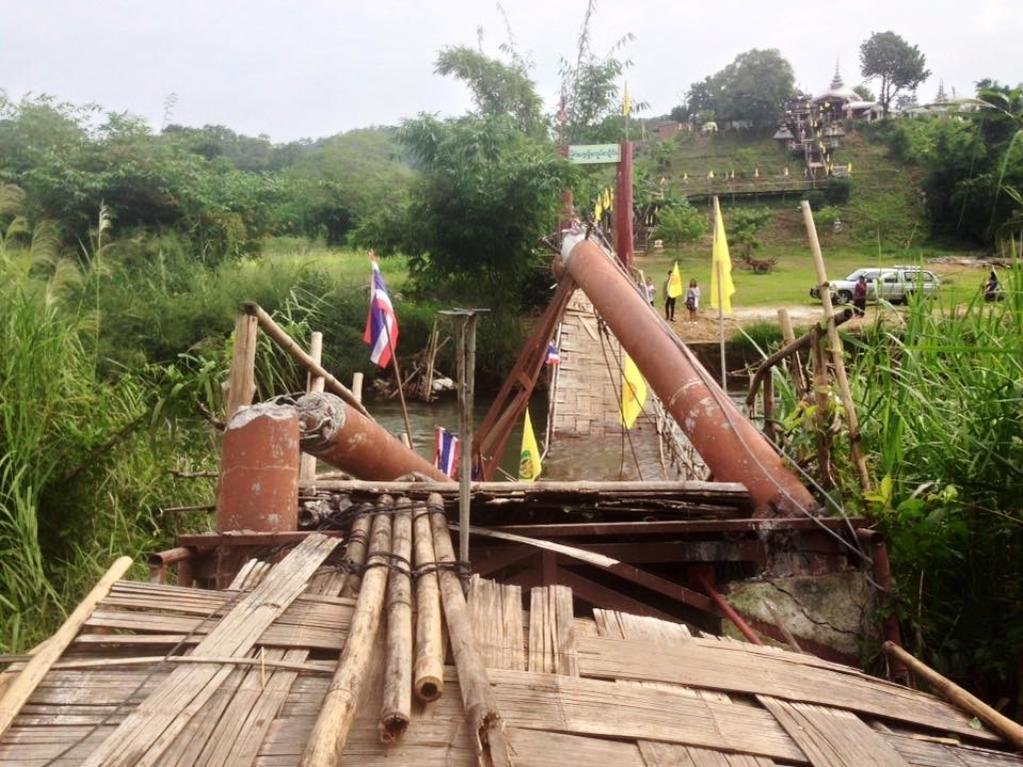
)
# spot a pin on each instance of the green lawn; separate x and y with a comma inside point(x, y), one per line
point(789, 282)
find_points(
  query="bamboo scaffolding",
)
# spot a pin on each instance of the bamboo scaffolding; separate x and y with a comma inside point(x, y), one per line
point(21, 687)
point(327, 741)
point(428, 672)
point(480, 705)
point(397, 704)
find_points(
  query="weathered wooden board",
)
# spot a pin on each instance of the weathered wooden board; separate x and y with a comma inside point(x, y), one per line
point(147, 734)
point(717, 669)
point(496, 614)
point(831, 737)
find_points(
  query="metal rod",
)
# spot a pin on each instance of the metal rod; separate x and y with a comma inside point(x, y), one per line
point(727, 609)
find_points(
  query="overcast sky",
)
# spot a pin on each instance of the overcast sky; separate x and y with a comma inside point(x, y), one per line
point(310, 68)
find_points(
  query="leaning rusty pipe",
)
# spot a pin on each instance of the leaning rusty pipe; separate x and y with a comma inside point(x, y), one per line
point(727, 610)
point(340, 435)
point(729, 444)
point(886, 584)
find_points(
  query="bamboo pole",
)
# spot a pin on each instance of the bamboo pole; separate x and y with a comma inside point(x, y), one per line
point(820, 388)
point(327, 741)
point(836, 349)
point(241, 381)
point(355, 550)
point(397, 705)
point(292, 347)
point(478, 701)
point(20, 689)
point(1007, 728)
point(357, 379)
point(428, 672)
point(314, 383)
point(788, 335)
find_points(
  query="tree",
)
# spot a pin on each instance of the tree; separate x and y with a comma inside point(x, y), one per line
point(899, 65)
point(486, 194)
point(589, 87)
point(743, 226)
point(753, 88)
point(497, 88)
point(680, 222)
point(864, 92)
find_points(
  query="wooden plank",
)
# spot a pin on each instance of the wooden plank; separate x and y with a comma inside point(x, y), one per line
point(146, 734)
point(626, 710)
point(20, 688)
point(619, 625)
point(832, 737)
point(705, 666)
point(496, 613)
point(537, 748)
point(673, 755)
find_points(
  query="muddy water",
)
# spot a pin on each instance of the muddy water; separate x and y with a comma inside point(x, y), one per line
point(612, 458)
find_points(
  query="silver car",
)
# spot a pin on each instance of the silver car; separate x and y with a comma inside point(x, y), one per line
point(894, 284)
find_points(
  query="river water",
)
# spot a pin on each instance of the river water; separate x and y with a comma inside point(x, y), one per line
point(612, 458)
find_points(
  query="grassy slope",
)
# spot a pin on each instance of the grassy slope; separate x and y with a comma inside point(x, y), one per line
point(882, 222)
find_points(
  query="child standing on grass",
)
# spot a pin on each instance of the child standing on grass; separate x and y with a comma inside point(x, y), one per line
point(693, 299)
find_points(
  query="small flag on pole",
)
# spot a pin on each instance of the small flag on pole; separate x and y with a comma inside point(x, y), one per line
point(529, 457)
point(553, 358)
point(720, 266)
point(445, 452)
point(381, 323)
point(675, 282)
point(626, 102)
point(633, 393)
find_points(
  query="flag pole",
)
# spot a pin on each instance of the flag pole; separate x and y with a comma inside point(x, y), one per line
point(721, 301)
point(401, 389)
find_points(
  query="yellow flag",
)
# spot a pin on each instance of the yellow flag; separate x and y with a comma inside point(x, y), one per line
point(721, 285)
point(626, 102)
point(633, 393)
point(529, 458)
point(675, 282)
point(608, 198)
point(598, 209)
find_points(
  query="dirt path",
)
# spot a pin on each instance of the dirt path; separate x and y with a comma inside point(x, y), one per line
point(705, 329)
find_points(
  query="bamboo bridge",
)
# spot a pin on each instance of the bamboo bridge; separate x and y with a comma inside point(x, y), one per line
point(328, 620)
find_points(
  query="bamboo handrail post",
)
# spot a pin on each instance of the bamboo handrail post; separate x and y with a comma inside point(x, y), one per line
point(314, 383)
point(836, 349)
point(327, 741)
point(241, 381)
point(292, 347)
point(397, 704)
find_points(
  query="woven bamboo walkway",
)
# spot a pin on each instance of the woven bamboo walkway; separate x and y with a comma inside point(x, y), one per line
point(609, 688)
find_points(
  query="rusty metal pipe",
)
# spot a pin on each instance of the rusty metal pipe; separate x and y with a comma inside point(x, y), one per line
point(623, 207)
point(730, 445)
point(159, 561)
point(340, 435)
point(883, 576)
point(259, 463)
point(726, 608)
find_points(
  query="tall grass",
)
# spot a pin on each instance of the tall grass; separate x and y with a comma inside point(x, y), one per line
point(82, 476)
point(940, 399)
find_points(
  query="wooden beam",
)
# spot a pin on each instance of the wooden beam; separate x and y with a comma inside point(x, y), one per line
point(20, 689)
point(241, 382)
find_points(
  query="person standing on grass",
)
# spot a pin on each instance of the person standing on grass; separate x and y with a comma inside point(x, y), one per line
point(860, 296)
point(651, 292)
point(669, 301)
point(693, 299)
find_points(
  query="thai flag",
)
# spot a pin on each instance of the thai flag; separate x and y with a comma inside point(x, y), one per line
point(381, 324)
point(553, 358)
point(445, 452)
